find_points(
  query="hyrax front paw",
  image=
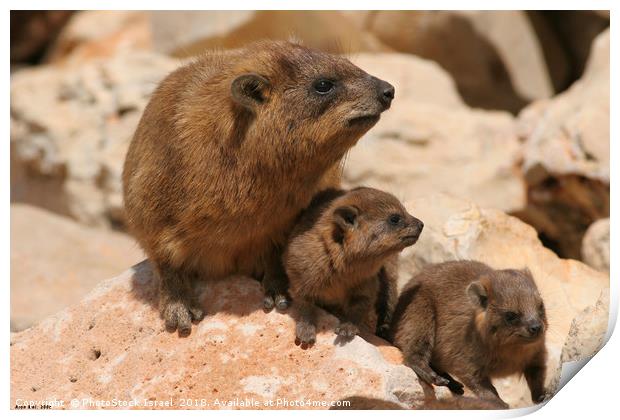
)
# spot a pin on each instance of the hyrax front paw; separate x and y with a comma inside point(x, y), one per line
point(383, 331)
point(178, 315)
point(346, 330)
point(277, 300)
point(275, 286)
point(306, 335)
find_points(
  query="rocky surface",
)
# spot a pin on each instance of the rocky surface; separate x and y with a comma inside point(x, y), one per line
point(576, 29)
point(113, 345)
point(101, 33)
point(588, 330)
point(566, 156)
point(55, 262)
point(457, 229)
point(33, 30)
point(495, 57)
point(186, 33)
point(430, 141)
point(70, 128)
point(595, 245)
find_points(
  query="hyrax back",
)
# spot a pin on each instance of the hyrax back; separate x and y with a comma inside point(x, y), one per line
point(465, 319)
point(229, 149)
point(342, 255)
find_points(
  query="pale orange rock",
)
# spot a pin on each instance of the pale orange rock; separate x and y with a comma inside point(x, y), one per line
point(430, 141)
point(113, 345)
point(566, 149)
point(94, 34)
point(55, 262)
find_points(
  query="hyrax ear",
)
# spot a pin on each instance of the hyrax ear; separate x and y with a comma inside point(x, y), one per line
point(250, 90)
point(477, 294)
point(346, 217)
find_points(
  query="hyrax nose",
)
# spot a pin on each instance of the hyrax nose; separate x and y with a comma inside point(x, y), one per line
point(534, 328)
point(416, 224)
point(385, 92)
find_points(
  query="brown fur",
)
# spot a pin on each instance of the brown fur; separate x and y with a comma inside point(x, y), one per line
point(343, 256)
point(455, 319)
point(229, 149)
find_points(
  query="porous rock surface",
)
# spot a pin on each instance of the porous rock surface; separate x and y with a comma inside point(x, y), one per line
point(113, 345)
point(595, 245)
point(70, 128)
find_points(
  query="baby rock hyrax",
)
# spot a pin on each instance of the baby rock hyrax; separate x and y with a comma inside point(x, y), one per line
point(464, 318)
point(228, 151)
point(342, 255)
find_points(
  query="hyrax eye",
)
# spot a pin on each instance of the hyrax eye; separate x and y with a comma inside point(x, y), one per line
point(394, 219)
point(323, 86)
point(511, 317)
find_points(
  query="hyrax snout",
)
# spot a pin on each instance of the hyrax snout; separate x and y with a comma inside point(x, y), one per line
point(343, 256)
point(467, 320)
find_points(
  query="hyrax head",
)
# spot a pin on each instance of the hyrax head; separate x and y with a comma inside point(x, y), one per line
point(371, 223)
point(308, 96)
point(509, 307)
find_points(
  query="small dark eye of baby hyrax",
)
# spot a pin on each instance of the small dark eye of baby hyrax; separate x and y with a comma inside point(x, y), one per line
point(323, 86)
point(511, 317)
point(394, 219)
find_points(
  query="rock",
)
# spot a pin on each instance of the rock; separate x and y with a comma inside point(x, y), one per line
point(70, 128)
point(430, 141)
point(576, 30)
point(457, 229)
point(55, 262)
point(494, 56)
point(112, 345)
point(588, 330)
point(566, 157)
point(187, 33)
point(595, 245)
point(101, 33)
point(415, 79)
point(32, 31)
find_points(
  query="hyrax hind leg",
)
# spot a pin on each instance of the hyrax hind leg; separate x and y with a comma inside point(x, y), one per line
point(482, 387)
point(453, 385)
point(178, 303)
point(419, 340)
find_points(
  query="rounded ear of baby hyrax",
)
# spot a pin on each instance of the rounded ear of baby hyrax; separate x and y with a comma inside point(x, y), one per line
point(250, 90)
point(345, 220)
point(478, 294)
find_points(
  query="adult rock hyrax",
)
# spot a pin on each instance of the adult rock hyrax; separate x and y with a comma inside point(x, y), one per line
point(229, 149)
point(343, 254)
point(464, 318)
